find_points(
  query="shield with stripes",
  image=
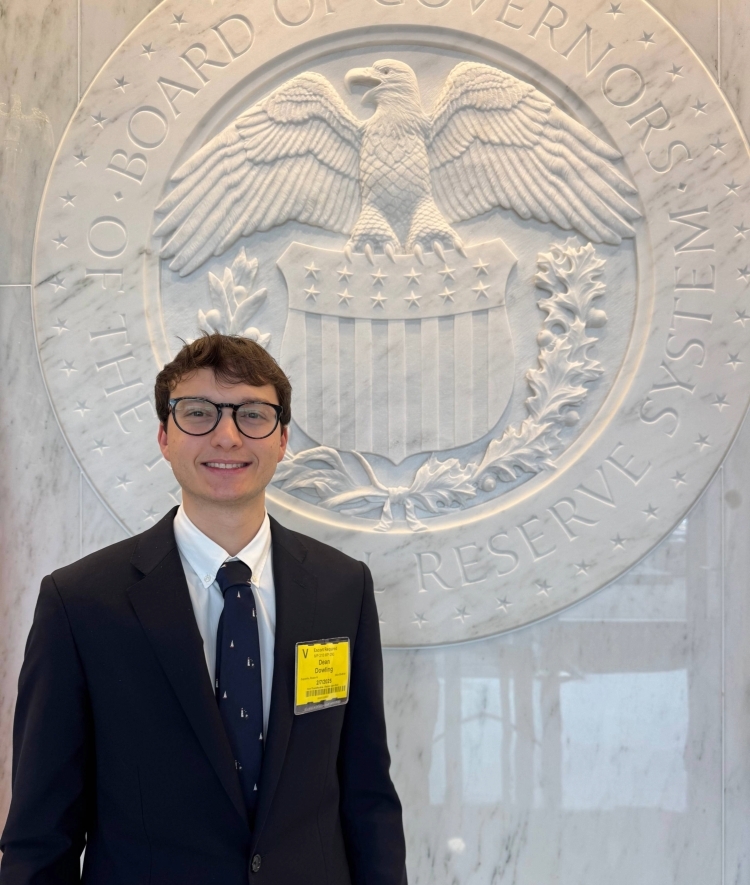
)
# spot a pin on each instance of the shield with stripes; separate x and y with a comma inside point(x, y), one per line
point(396, 357)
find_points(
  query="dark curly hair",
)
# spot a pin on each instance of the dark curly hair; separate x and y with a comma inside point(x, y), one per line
point(233, 360)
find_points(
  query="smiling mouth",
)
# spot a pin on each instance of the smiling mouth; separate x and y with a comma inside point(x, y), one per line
point(223, 465)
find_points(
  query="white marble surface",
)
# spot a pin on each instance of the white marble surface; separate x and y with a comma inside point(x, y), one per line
point(652, 639)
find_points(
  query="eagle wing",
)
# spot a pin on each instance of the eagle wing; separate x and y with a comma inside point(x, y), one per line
point(292, 156)
point(497, 141)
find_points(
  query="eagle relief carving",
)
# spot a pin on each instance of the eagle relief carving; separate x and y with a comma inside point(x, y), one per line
point(407, 310)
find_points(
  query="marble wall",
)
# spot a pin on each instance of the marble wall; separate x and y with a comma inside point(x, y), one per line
point(611, 741)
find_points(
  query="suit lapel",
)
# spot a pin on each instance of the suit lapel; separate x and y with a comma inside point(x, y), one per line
point(296, 592)
point(162, 604)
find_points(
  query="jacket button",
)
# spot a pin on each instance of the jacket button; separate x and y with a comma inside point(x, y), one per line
point(255, 865)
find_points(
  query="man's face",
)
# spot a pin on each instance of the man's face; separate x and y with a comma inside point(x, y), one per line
point(249, 464)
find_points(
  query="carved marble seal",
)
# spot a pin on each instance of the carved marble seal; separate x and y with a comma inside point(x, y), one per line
point(500, 249)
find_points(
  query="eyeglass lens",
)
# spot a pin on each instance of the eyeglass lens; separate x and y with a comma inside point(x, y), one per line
point(198, 416)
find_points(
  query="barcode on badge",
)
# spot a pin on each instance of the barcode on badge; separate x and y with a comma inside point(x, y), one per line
point(328, 689)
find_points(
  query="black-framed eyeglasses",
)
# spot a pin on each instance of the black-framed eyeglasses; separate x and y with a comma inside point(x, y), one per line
point(198, 416)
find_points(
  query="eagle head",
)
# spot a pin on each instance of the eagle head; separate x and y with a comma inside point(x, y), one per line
point(390, 81)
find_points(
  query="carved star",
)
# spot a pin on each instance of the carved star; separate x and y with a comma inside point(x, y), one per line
point(413, 277)
point(614, 10)
point(646, 39)
point(721, 401)
point(678, 479)
point(313, 293)
point(148, 49)
point(150, 514)
point(60, 241)
point(703, 442)
point(448, 293)
point(582, 567)
point(651, 511)
point(378, 300)
point(61, 326)
point(57, 282)
point(699, 107)
point(68, 367)
point(682, 187)
point(744, 273)
point(676, 71)
point(378, 277)
point(742, 317)
point(447, 272)
point(344, 296)
point(123, 482)
point(99, 446)
point(68, 198)
point(618, 542)
point(80, 158)
point(344, 273)
point(718, 146)
point(461, 614)
point(419, 620)
point(481, 289)
point(544, 588)
point(741, 230)
point(732, 187)
point(99, 119)
point(503, 603)
point(481, 267)
point(81, 407)
point(121, 83)
point(734, 360)
point(413, 299)
point(179, 20)
point(312, 270)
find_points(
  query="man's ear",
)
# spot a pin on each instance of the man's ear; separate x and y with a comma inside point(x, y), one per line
point(161, 438)
point(284, 442)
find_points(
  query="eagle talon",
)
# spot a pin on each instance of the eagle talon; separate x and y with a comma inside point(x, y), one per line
point(419, 253)
point(348, 251)
point(369, 253)
point(437, 248)
point(459, 246)
point(390, 251)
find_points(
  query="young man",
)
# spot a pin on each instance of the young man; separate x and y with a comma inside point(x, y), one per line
point(160, 719)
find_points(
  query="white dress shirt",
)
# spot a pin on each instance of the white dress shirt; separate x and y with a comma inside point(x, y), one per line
point(201, 559)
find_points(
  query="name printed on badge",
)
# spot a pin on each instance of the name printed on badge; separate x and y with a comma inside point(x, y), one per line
point(321, 674)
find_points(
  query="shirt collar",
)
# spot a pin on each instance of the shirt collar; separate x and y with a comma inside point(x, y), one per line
point(206, 557)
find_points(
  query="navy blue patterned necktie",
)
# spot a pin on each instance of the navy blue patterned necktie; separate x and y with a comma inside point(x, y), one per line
point(238, 685)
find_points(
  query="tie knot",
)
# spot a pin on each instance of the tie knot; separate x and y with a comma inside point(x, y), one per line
point(232, 574)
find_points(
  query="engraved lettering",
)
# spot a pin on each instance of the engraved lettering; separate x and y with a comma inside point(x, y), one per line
point(435, 4)
point(204, 60)
point(635, 478)
point(573, 516)
point(559, 16)
point(121, 163)
point(107, 237)
point(662, 121)
point(608, 498)
point(149, 465)
point(687, 315)
point(116, 272)
point(678, 355)
point(666, 412)
point(615, 84)
point(504, 552)
point(464, 565)
point(426, 572)
point(116, 361)
point(150, 130)
point(687, 245)
point(133, 409)
point(231, 45)
point(682, 285)
point(537, 554)
point(585, 35)
point(165, 83)
point(120, 330)
point(671, 163)
point(290, 22)
point(675, 383)
point(508, 5)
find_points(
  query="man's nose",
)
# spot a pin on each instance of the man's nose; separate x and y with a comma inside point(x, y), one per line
point(226, 431)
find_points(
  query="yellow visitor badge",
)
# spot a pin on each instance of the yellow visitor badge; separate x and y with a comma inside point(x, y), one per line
point(321, 674)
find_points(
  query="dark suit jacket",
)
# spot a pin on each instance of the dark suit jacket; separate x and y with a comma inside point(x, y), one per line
point(118, 743)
